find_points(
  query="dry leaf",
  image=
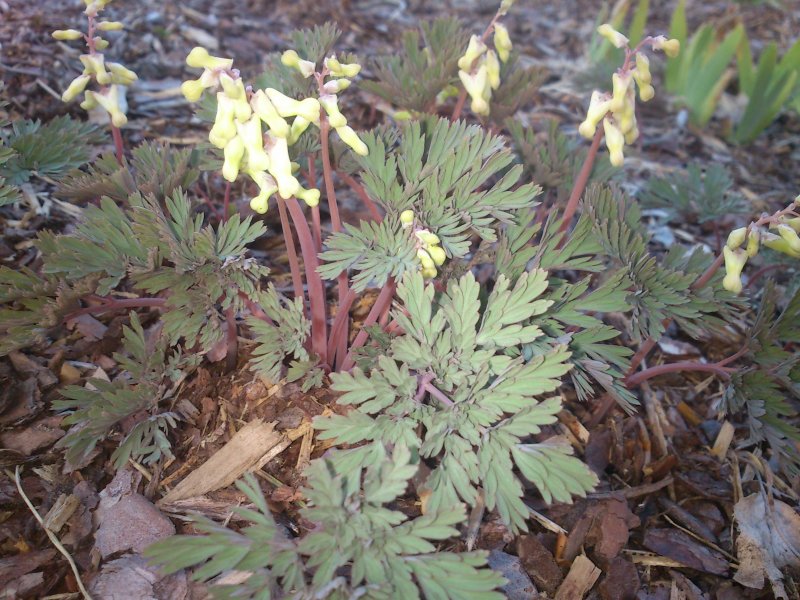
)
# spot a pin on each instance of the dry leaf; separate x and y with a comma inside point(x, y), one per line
point(769, 539)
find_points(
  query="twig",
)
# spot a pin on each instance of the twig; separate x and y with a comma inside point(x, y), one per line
point(53, 539)
point(438, 394)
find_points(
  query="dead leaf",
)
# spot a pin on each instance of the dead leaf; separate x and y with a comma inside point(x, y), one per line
point(16, 566)
point(769, 539)
point(40, 434)
point(621, 581)
point(605, 526)
point(678, 546)
point(539, 563)
point(132, 578)
point(89, 327)
point(243, 451)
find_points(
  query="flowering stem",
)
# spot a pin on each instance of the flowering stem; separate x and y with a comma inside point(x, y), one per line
point(384, 299)
point(316, 289)
point(580, 182)
point(336, 222)
point(462, 97)
point(362, 193)
point(116, 304)
point(231, 333)
point(339, 322)
point(437, 393)
point(291, 250)
point(226, 202)
point(118, 144)
point(688, 365)
point(316, 221)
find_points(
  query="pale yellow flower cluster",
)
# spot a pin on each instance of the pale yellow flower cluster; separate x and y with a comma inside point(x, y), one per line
point(617, 110)
point(743, 243)
point(241, 114)
point(479, 68)
point(429, 251)
point(109, 75)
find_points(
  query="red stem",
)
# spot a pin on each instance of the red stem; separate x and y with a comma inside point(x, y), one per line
point(118, 144)
point(226, 202)
point(362, 193)
point(116, 304)
point(580, 182)
point(291, 250)
point(339, 324)
point(437, 393)
point(336, 222)
point(316, 221)
point(462, 97)
point(316, 289)
point(384, 299)
point(637, 378)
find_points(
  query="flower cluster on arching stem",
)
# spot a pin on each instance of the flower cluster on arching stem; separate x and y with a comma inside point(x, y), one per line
point(479, 68)
point(429, 250)
point(743, 243)
point(617, 110)
point(109, 76)
point(252, 127)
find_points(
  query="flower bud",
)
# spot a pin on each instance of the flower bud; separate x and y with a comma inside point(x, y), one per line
point(778, 244)
point(437, 254)
point(427, 238)
point(734, 263)
point(632, 135)
point(299, 126)
point(330, 104)
point(94, 64)
point(425, 259)
point(289, 107)
point(670, 47)
point(280, 167)
point(100, 43)
point(233, 88)
point(310, 197)
point(642, 72)
point(620, 83)
point(429, 273)
point(192, 90)
point(110, 26)
point(598, 107)
point(753, 241)
point(736, 238)
point(224, 128)
point(121, 75)
point(492, 69)
point(88, 101)
point(407, 217)
point(614, 37)
point(502, 41)
point(790, 236)
point(266, 186)
point(615, 142)
point(475, 84)
point(250, 133)
point(76, 87)
point(291, 59)
point(67, 34)
point(475, 49)
point(351, 138)
point(266, 112)
point(505, 6)
point(233, 152)
point(646, 92)
point(335, 86)
point(110, 101)
point(794, 223)
point(199, 58)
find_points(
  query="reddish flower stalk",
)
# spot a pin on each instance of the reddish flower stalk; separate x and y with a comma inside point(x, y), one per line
point(108, 304)
point(316, 221)
point(316, 289)
point(580, 182)
point(336, 222)
point(119, 146)
point(362, 193)
point(291, 251)
point(340, 321)
point(384, 299)
point(688, 365)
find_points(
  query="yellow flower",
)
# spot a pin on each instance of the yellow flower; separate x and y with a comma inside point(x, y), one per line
point(110, 101)
point(475, 49)
point(267, 113)
point(67, 34)
point(599, 105)
point(612, 35)
point(233, 152)
point(310, 197)
point(76, 87)
point(351, 138)
point(615, 142)
point(199, 58)
point(502, 41)
point(407, 217)
point(734, 263)
point(492, 69)
point(329, 103)
point(289, 107)
point(291, 59)
point(280, 167)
